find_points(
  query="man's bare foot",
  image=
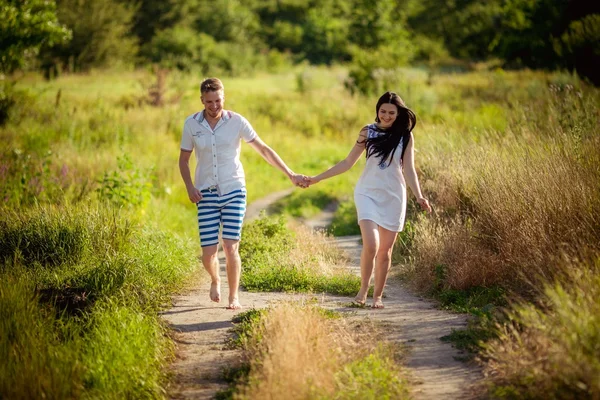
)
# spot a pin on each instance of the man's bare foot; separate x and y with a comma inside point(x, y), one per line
point(377, 303)
point(234, 304)
point(215, 291)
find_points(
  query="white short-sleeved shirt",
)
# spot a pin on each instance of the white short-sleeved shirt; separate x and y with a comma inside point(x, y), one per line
point(218, 150)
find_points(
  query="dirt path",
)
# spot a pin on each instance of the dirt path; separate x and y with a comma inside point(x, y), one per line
point(416, 323)
point(200, 328)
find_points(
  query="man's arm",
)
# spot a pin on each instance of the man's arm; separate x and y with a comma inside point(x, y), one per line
point(184, 168)
point(273, 158)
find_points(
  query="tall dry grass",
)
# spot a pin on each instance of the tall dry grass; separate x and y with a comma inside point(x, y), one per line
point(551, 350)
point(512, 206)
point(297, 352)
point(316, 251)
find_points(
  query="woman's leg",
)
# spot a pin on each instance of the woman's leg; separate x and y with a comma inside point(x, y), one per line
point(370, 237)
point(383, 263)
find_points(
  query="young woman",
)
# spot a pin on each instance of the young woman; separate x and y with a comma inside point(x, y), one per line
point(380, 194)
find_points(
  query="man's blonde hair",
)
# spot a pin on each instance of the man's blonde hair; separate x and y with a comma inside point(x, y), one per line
point(211, 85)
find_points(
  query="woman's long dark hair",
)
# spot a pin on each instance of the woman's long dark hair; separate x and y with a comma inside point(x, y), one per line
point(384, 146)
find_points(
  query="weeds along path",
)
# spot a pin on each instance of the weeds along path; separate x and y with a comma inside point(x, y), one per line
point(417, 324)
point(200, 327)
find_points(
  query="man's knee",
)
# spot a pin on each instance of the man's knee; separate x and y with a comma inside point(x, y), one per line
point(209, 253)
point(231, 247)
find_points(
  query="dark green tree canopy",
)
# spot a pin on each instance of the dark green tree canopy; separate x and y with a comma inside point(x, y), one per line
point(26, 25)
point(239, 35)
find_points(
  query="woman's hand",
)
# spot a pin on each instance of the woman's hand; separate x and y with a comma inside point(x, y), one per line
point(424, 203)
point(310, 180)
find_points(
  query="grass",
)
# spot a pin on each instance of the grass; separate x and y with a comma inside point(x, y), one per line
point(551, 349)
point(298, 351)
point(277, 258)
point(508, 159)
point(79, 293)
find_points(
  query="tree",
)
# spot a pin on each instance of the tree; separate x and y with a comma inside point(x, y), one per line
point(551, 34)
point(25, 26)
point(101, 35)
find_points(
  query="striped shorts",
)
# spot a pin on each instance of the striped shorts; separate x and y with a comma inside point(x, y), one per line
point(215, 211)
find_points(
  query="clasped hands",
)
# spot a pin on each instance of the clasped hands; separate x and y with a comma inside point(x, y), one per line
point(303, 181)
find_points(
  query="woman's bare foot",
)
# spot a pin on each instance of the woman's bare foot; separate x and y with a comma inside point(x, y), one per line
point(361, 298)
point(377, 303)
point(215, 291)
point(234, 304)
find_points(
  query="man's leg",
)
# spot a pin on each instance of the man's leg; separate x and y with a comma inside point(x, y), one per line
point(209, 220)
point(210, 261)
point(232, 217)
point(234, 267)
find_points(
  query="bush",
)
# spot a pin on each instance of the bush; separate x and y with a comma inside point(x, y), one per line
point(128, 186)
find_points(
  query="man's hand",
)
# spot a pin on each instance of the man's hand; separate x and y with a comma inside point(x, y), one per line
point(194, 195)
point(299, 180)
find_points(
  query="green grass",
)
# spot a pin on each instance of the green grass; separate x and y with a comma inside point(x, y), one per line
point(265, 253)
point(79, 293)
point(493, 150)
point(345, 220)
point(375, 376)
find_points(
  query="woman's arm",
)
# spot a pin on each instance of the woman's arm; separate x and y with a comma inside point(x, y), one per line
point(346, 163)
point(410, 174)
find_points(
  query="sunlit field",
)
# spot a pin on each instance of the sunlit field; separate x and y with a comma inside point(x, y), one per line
point(96, 229)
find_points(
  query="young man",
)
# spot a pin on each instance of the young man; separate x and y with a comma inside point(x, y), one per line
point(218, 189)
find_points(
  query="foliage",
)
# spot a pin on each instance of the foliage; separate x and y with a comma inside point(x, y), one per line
point(126, 186)
point(375, 71)
point(532, 33)
point(26, 26)
point(101, 36)
point(79, 292)
point(6, 101)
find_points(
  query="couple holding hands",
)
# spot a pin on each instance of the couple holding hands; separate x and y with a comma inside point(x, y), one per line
point(219, 193)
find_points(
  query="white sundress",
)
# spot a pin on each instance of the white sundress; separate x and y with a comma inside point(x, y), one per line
point(380, 193)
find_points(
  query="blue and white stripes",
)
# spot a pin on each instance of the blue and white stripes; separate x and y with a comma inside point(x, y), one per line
point(215, 211)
